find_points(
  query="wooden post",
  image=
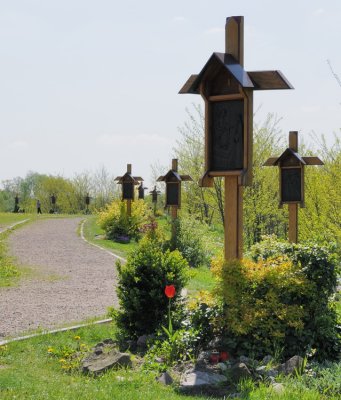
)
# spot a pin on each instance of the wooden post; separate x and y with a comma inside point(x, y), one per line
point(293, 208)
point(233, 208)
point(174, 209)
point(129, 169)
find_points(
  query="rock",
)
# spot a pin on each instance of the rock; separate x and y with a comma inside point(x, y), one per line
point(244, 359)
point(199, 378)
point(165, 379)
point(142, 341)
point(108, 341)
point(239, 371)
point(278, 388)
point(222, 367)
point(271, 373)
point(289, 366)
point(97, 364)
point(267, 359)
point(261, 370)
point(264, 371)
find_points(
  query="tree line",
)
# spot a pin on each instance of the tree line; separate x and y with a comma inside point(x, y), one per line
point(70, 194)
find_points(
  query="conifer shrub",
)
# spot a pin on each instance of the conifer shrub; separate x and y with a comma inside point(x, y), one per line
point(141, 284)
point(282, 299)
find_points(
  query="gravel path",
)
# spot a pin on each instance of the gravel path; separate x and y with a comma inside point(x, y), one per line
point(69, 279)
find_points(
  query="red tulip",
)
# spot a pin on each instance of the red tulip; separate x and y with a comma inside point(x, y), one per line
point(170, 291)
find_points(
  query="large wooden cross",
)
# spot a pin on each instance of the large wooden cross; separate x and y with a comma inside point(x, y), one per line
point(227, 90)
point(291, 180)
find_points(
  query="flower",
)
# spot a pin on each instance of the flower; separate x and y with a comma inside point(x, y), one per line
point(77, 337)
point(170, 291)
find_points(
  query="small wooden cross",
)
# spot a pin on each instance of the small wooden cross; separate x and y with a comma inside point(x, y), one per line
point(291, 180)
point(173, 189)
point(128, 182)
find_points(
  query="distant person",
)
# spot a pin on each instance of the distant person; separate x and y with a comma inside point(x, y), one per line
point(38, 207)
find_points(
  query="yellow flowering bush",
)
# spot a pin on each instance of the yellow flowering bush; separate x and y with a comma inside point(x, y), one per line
point(264, 302)
point(118, 225)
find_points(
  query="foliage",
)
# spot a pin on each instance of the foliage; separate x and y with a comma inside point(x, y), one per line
point(203, 314)
point(69, 356)
point(116, 222)
point(320, 220)
point(141, 283)
point(8, 271)
point(261, 213)
point(189, 241)
point(70, 193)
point(281, 299)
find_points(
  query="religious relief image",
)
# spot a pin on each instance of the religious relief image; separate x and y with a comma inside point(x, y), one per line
point(128, 191)
point(227, 135)
point(291, 185)
point(173, 194)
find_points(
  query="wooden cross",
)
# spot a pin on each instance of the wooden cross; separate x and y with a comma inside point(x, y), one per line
point(154, 193)
point(227, 90)
point(173, 190)
point(291, 180)
point(128, 182)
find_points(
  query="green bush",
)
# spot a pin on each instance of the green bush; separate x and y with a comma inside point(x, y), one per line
point(281, 300)
point(188, 240)
point(141, 284)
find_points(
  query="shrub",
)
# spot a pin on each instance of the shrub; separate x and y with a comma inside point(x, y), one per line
point(118, 225)
point(188, 240)
point(281, 300)
point(141, 284)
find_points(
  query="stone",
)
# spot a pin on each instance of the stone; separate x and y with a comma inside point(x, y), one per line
point(267, 359)
point(165, 379)
point(264, 371)
point(108, 341)
point(222, 367)
point(199, 378)
point(239, 371)
point(244, 360)
point(97, 364)
point(289, 366)
point(142, 341)
point(278, 388)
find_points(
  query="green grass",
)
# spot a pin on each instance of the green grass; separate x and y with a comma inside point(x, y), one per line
point(8, 219)
point(94, 234)
point(201, 279)
point(29, 372)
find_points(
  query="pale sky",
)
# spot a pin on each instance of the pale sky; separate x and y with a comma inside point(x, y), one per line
point(85, 83)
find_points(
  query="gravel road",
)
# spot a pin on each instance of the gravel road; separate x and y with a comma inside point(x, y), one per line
point(69, 280)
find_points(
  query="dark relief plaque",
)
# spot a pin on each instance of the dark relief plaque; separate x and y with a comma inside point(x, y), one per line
point(172, 194)
point(291, 185)
point(128, 191)
point(227, 135)
point(154, 197)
